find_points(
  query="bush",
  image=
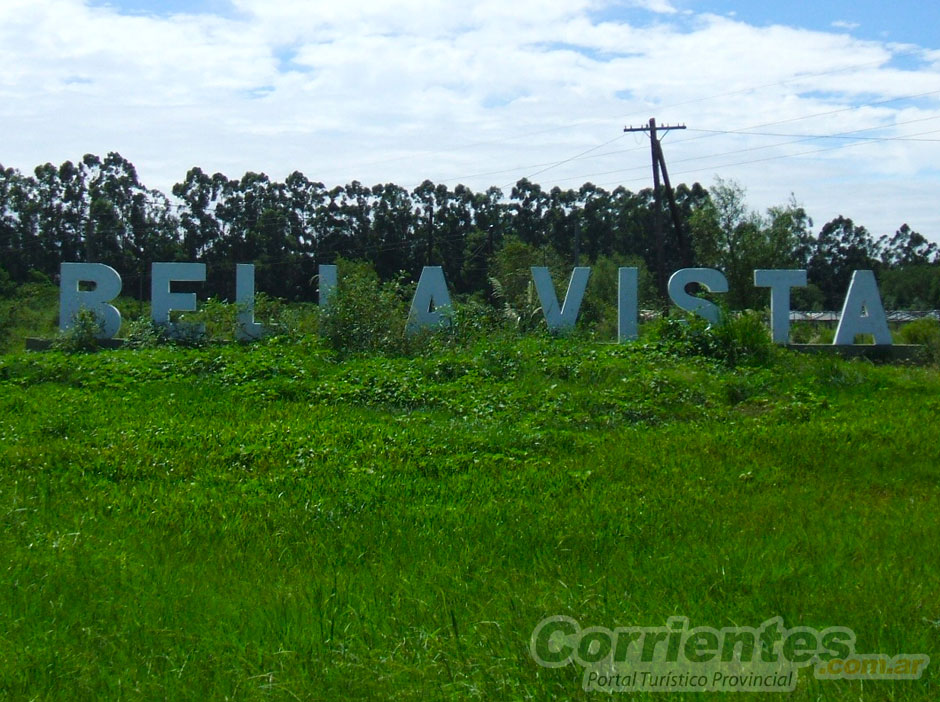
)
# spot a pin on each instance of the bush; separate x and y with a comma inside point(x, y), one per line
point(926, 332)
point(142, 333)
point(802, 333)
point(921, 331)
point(364, 314)
point(82, 336)
point(292, 321)
point(7, 286)
point(741, 339)
point(599, 311)
point(744, 338)
point(470, 321)
point(33, 310)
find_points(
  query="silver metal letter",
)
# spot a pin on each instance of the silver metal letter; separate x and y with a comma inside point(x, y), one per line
point(565, 318)
point(248, 328)
point(862, 312)
point(780, 282)
point(163, 301)
point(431, 297)
point(627, 313)
point(710, 279)
point(72, 299)
point(327, 278)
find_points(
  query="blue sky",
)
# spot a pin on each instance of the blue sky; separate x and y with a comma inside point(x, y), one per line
point(168, 7)
point(837, 103)
point(904, 21)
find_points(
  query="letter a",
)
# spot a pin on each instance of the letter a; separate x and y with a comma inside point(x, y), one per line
point(862, 312)
point(430, 297)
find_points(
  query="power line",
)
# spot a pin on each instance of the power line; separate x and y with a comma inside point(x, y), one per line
point(781, 156)
point(802, 138)
point(809, 137)
point(711, 133)
point(596, 120)
point(568, 160)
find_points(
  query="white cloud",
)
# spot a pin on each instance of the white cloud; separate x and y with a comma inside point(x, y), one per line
point(661, 6)
point(376, 91)
point(843, 24)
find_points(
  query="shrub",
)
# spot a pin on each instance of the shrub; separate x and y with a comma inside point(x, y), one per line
point(599, 310)
point(142, 333)
point(926, 332)
point(802, 333)
point(364, 314)
point(470, 321)
point(921, 331)
point(741, 338)
point(292, 321)
point(744, 338)
point(82, 336)
point(7, 286)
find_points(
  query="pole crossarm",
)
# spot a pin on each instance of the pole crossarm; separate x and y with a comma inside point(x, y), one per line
point(658, 128)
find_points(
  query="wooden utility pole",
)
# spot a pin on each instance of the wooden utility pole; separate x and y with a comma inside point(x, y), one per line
point(577, 240)
point(430, 251)
point(659, 169)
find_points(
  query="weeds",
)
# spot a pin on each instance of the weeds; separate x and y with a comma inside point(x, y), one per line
point(261, 521)
point(742, 339)
point(82, 335)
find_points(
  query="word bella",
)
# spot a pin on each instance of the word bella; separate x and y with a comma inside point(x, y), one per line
point(862, 312)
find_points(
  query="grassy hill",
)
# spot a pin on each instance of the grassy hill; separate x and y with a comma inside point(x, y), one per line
point(278, 521)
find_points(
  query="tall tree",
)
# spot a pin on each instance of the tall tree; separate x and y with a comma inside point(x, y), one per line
point(841, 248)
point(908, 248)
point(528, 205)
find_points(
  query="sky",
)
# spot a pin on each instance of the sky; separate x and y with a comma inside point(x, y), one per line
point(835, 104)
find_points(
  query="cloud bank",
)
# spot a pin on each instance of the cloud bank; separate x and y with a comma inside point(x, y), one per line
point(479, 93)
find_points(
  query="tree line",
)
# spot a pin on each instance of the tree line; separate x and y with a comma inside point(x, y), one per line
point(97, 210)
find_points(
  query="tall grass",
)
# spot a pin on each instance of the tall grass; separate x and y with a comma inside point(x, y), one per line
point(288, 521)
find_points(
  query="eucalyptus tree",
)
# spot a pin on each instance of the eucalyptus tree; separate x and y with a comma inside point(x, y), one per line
point(528, 205)
point(60, 205)
point(841, 248)
point(393, 221)
point(199, 195)
point(562, 222)
point(19, 250)
point(908, 248)
point(598, 221)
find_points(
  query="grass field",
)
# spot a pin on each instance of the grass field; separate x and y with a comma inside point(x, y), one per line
point(271, 522)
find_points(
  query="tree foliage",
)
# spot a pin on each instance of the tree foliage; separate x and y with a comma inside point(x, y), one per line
point(97, 210)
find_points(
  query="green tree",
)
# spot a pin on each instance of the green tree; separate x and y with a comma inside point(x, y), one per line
point(908, 248)
point(727, 235)
point(841, 248)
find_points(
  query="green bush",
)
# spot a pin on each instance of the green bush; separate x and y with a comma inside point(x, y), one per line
point(142, 333)
point(511, 280)
point(802, 333)
point(365, 314)
point(292, 321)
point(824, 335)
point(469, 322)
point(7, 286)
point(599, 311)
point(926, 332)
point(82, 336)
point(741, 339)
point(921, 331)
point(33, 310)
point(745, 338)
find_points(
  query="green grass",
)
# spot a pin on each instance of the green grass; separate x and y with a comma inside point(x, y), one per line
point(267, 522)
